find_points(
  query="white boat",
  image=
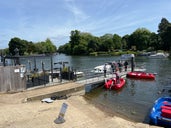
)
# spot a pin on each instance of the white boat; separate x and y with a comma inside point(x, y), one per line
point(79, 74)
point(127, 56)
point(100, 69)
point(158, 55)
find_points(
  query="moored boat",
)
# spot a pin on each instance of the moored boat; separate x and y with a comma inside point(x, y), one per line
point(114, 84)
point(140, 75)
point(159, 55)
point(100, 69)
point(161, 112)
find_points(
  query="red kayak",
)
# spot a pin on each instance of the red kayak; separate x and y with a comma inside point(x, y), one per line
point(113, 84)
point(141, 75)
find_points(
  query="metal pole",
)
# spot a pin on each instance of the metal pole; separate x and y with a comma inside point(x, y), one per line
point(51, 68)
point(35, 68)
point(69, 77)
point(132, 64)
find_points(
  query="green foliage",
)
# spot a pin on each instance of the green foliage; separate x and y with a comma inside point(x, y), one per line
point(154, 42)
point(21, 45)
point(27, 48)
point(74, 40)
point(140, 38)
point(4, 51)
point(83, 43)
point(117, 41)
point(165, 34)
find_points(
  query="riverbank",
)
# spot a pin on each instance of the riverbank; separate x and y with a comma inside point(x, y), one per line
point(16, 113)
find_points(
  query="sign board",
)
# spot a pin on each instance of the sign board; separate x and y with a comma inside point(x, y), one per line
point(60, 118)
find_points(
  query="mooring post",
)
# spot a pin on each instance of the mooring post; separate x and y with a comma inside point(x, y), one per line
point(132, 62)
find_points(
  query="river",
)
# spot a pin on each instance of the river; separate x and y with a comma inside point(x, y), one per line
point(136, 99)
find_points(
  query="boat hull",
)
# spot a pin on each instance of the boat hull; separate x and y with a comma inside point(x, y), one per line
point(140, 75)
point(161, 112)
point(115, 86)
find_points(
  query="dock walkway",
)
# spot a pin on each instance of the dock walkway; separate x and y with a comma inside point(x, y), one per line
point(66, 88)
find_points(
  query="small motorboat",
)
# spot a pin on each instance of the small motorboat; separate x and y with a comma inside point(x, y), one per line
point(159, 55)
point(161, 112)
point(100, 69)
point(141, 75)
point(114, 84)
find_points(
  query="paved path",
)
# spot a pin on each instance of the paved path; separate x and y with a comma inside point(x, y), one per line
point(40, 93)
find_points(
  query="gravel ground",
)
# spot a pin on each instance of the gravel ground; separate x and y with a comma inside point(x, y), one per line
point(17, 113)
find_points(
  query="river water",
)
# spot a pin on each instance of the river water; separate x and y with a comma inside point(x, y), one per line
point(135, 100)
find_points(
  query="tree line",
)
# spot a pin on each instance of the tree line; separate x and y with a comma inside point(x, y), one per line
point(82, 43)
point(25, 47)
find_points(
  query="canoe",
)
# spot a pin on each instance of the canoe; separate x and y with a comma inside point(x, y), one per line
point(140, 75)
point(161, 112)
point(112, 84)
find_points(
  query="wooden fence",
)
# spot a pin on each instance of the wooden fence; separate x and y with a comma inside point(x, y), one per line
point(12, 78)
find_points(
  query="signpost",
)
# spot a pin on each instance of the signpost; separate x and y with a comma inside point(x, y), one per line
point(60, 118)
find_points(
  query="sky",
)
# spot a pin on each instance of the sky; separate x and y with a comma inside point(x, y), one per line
point(37, 20)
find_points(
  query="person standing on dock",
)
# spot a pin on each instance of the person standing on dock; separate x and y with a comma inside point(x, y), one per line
point(117, 78)
point(105, 69)
point(120, 66)
point(126, 65)
point(113, 67)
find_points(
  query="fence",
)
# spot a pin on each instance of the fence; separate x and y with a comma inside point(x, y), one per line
point(12, 78)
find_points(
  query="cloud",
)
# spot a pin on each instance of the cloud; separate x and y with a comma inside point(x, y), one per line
point(77, 13)
point(55, 19)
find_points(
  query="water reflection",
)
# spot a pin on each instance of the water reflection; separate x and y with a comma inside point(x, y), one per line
point(135, 100)
point(132, 87)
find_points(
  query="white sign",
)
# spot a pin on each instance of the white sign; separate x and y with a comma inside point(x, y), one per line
point(60, 118)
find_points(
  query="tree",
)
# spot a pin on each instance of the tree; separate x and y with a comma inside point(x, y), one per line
point(117, 41)
point(106, 42)
point(92, 45)
point(21, 45)
point(162, 27)
point(45, 47)
point(164, 32)
point(80, 50)
point(125, 42)
point(166, 39)
point(30, 48)
point(65, 48)
point(74, 39)
point(154, 42)
point(50, 48)
point(140, 38)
